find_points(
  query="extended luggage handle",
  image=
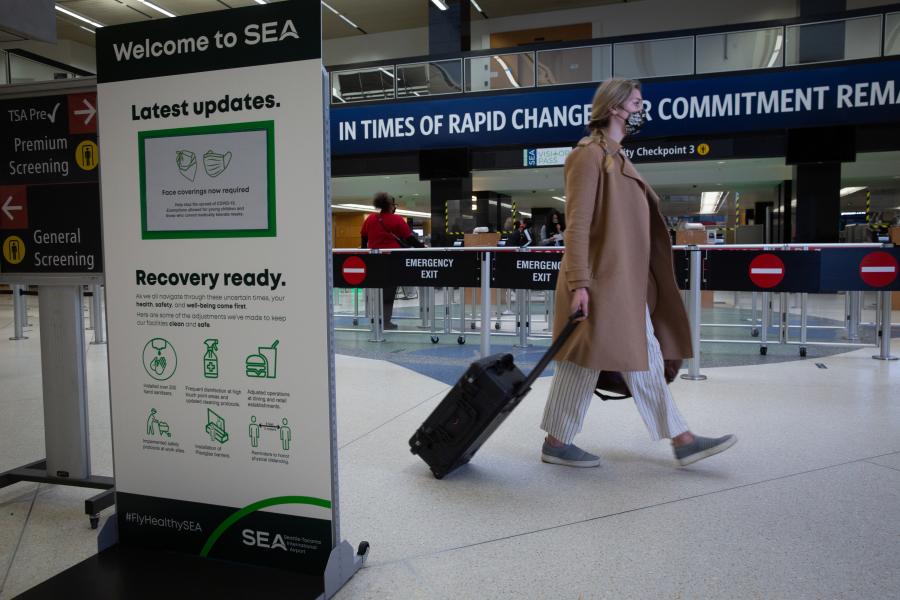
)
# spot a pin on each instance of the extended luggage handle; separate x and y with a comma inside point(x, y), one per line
point(561, 339)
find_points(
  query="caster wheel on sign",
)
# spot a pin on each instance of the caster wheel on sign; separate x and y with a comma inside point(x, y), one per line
point(461, 340)
point(497, 326)
point(94, 522)
point(763, 350)
point(363, 549)
point(355, 322)
point(437, 475)
point(754, 333)
point(435, 339)
point(803, 352)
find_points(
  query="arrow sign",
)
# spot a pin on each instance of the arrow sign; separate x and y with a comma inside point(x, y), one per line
point(90, 111)
point(354, 270)
point(9, 207)
point(878, 269)
point(13, 207)
point(766, 271)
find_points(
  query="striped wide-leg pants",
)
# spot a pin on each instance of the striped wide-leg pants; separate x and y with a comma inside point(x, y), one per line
point(573, 388)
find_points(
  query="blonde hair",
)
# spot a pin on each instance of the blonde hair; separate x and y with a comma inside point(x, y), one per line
point(611, 93)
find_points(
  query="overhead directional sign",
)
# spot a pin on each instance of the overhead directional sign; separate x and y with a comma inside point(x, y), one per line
point(49, 190)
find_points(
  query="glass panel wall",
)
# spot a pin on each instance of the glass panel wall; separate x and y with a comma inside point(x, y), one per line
point(740, 50)
point(848, 39)
point(654, 58)
point(375, 83)
point(430, 78)
point(574, 65)
point(23, 70)
point(500, 72)
point(892, 34)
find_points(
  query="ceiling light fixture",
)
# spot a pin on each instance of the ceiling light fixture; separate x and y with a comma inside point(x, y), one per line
point(440, 4)
point(710, 202)
point(88, 29)
point(260, 1)
point(560, 198)
point(157, 8)
point(478, 8)
point(850, 190)
point(75, 15)
point(328, 6)
point(386, 72)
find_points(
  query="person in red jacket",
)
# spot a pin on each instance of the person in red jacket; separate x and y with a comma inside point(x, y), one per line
point(383, 230)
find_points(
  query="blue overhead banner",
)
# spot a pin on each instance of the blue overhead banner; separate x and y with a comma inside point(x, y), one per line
point(817, 96)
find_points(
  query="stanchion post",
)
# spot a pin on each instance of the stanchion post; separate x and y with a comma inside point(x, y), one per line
point(783, 317)
point(693, 373)
point(885, 330)
point(485, 304)
point(803, 318)
point(523, 317)
point(90, 306)
point(18, 317)
point(98, 316)
point(764, 324)
point(26, 319)
point(853, 316)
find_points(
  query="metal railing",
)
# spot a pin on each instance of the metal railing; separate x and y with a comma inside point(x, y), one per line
point(753, 47)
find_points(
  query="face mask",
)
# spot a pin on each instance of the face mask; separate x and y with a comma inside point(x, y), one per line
point(215, 164)
point(635, 121)
point(187, 164)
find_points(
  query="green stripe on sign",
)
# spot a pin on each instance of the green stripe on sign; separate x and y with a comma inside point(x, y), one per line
point(252, 508)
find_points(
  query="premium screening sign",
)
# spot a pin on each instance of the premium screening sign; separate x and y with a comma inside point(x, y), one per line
point(216, 226)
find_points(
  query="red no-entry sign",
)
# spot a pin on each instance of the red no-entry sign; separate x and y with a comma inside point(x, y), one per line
point(354, 270)
point(766, 271)
point(878, 269)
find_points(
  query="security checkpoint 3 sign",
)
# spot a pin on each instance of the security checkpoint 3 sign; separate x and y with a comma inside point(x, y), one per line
point(213, 138)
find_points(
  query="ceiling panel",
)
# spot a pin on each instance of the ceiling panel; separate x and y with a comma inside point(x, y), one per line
point(372, 16)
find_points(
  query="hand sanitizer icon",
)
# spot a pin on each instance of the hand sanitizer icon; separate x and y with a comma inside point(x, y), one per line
point(211, 360)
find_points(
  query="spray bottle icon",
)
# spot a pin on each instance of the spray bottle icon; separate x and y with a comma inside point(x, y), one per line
point(210, 359)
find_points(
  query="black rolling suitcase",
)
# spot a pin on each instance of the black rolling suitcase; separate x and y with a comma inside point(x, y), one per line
point(479, 402)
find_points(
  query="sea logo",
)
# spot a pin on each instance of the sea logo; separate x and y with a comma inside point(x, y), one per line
point(531, 157)
point(261, 539)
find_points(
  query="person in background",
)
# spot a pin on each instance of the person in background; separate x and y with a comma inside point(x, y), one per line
point(617, 270)
point(384, 230)
point(522, 235)
point(552, 230)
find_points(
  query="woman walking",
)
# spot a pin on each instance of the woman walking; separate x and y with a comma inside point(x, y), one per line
point(618, 271)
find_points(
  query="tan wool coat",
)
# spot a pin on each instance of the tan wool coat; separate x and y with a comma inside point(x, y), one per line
point(617, 246)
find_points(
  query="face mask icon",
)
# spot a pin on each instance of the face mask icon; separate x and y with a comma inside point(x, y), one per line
point(187, 164)
point(215, 164)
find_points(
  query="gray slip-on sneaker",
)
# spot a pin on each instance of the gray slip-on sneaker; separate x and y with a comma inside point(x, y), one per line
point(702, 447)
point(569, 455)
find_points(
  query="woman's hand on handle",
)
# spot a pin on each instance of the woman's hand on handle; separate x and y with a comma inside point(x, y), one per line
point(580, 301)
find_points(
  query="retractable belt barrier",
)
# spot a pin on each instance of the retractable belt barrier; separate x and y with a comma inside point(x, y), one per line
point(810, 270)
point(770, 268)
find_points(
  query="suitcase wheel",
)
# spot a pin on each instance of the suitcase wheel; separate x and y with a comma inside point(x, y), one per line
point(438, 474)
point(435, 339)
point(461, 340)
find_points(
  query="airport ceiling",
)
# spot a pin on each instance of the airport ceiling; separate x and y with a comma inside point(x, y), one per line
point(679, 184)
point(372, 16)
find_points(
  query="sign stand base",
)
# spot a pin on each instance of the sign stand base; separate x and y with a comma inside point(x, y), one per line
point(37, 472)
point(120, 571)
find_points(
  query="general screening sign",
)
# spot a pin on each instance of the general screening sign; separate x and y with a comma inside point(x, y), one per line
point(815, 96)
